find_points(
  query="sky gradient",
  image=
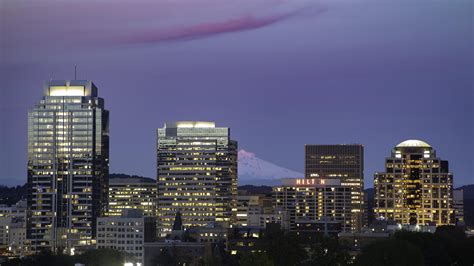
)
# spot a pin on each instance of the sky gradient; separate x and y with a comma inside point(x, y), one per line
point(280, 73)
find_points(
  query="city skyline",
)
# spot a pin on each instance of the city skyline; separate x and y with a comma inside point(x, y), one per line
point(330, 81)
point(236, 132)
point(368, 182)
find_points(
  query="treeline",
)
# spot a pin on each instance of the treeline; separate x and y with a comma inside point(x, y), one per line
point(448, 246)
point(93, 257)
point(11, 195)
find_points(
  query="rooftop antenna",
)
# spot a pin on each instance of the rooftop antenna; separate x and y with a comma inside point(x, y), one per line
point(75, 72)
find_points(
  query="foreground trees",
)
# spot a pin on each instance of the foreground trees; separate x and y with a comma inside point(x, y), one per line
point(93, 257)
point(448, 246)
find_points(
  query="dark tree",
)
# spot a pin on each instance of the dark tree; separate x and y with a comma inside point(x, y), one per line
point(284, 248)
point(328, 251)
point(392, 252)
point(102, 257)
point(251, 259)
point(165, 258)
point(43, 259)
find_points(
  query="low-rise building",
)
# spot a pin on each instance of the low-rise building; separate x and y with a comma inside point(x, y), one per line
point(325, 226)
point(458, 202)
point(246, 207)
point(210, 234)
point(245, 239)
point(127, 233)
point(13, 229)
point(257, 211)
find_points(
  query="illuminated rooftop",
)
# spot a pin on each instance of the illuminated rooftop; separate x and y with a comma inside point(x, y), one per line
point(190, 124)
point(70, 88)
point(413, 143)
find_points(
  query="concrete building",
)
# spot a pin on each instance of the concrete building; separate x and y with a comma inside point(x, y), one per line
point(5, 222)
point(344, 163)
point(416, 187)
point(132, 193)
point(127, 233)
point(13, 229)
point(311, 200)
point(197, 175)
point(253, 212)
point(68, 162)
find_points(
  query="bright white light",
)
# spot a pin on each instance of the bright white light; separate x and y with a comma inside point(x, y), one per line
point(192, 124)
point(66, 91)
point(128, 264)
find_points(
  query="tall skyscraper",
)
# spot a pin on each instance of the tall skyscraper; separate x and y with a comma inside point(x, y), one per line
point(68, 164)
point(416, 187)
point(342, 162)
point(196, 174)
point(132, 193)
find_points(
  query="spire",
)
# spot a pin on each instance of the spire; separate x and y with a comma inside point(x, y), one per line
point(178, 224)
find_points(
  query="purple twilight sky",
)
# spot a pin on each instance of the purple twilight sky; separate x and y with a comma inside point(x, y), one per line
point(280, 73)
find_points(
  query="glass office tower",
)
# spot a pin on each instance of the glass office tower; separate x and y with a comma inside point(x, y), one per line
point(416, 187)
point(68, 164)
point(196, 175)
point(132, 193)
point(344, 162)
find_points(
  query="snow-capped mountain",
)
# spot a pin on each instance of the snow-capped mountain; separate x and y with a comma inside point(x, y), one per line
point(255, 171)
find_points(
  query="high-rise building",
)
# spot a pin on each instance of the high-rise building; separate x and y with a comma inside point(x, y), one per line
point(416, 187)
point(68, 164)
point(132, 193)
point(311, 202)
point(342, 162)
point(197, 174)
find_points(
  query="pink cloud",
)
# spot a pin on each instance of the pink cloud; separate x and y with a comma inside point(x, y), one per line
point(203, 30)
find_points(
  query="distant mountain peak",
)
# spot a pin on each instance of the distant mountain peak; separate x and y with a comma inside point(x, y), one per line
point(256, 171)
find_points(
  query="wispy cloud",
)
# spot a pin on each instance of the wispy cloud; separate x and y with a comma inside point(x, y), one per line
point(140, 22)
point(208, 29)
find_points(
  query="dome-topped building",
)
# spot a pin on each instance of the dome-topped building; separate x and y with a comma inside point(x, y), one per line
point(412, 143)
point(416, 187)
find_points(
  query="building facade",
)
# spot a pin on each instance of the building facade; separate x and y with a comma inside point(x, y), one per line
point(252, 212)
point(416, 187)
point(13, 229)
point(312, 200)
point(458, 203)
point(344, 163)
point(126, 233)
point(68, 160)
point(132, 193)
point(196, 174)
point(247, 207)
